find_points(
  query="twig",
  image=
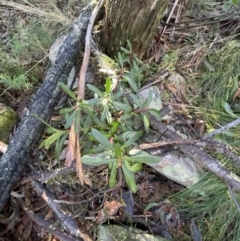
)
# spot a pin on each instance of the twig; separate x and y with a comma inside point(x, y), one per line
point(160, 78)
point(146, 146)
point(65, 219)
point(233, 196)
point(220, 148)
point(169, 17)
point(43, 177)
point(208, 144)
point(46, 225)
point(83, 71)
point(222, 129)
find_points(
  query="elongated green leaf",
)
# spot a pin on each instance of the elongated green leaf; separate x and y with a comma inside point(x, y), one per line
point(102, 139)
point(108, 85)
point(136, 167)
point(87, 124)
point(77, 121)
point(146, 123)
point(129, 177)
point(131, 82)
point(40, 119)
point(126, 135)
point(96, 160)
point(59, 145)
point(138, 61)
point(125, 117)
point(144, 159)
point(120, 59)
point(135, 152)
point(118, 151)
point(69, 119)
point(134, 137)
point(228, 109)
point(113, 175)
point(98, 149)
point(149, 98)
point(97, 121)
point(118, 95)
point(155, 113)
point(68, 91)
point(105, 113)
point(95, 90)
point(125, 50)
point(150, 205)
point(66, 110)
point(121, 106)
point(51, 139)
point(115, 125)
point(129, 45)
point(94, 101)
point(51, 130)
point(135, 99)
point(109, 117)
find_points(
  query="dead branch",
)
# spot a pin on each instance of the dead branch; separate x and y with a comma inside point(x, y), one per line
point(46, 225)
point(63, 216)
point(83, 71)
point(208, 144)
point(198, 155)
point(220, 148)
point(222, 129)
point(43, 177)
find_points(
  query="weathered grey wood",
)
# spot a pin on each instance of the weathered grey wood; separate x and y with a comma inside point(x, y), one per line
point(199, 156)
point(30, 130)
point(133, 20)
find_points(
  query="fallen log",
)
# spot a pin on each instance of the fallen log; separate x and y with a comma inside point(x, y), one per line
point(30, 130)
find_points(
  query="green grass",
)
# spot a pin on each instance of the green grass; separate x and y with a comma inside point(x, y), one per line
point(209, 201)
point(29, 35)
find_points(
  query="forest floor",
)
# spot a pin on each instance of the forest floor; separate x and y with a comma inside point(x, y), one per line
point(199, 50)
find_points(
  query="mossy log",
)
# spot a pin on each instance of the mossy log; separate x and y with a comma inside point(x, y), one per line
point(8, 117)
point(133, 20)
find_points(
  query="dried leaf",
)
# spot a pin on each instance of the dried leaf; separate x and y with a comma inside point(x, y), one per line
point(82, 178)
point(237, 94)
point(70, 155)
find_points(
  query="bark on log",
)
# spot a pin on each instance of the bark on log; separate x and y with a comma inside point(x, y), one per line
point(30, 130)
point(133, 20)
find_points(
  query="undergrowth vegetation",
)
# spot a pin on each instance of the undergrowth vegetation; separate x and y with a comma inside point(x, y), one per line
point(216, 96)
point(29, 29)
point(112, 119)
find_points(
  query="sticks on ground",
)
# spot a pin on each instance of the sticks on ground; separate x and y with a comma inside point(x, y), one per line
point(63, 216)
point(47, 226)
point(198, 155)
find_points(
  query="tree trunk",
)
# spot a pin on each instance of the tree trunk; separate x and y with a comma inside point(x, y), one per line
point(133, 20)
